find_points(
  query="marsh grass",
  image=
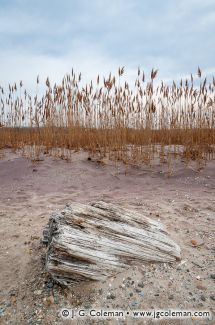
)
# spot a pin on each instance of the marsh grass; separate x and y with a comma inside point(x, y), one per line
point(110, 119)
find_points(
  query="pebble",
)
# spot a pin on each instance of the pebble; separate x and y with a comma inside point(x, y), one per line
point(171, 297)
point(213, 276)
point(134, 303)
point(50, 284)
point(56, 299)
point(13, 299)
point(212, 297)
point(7, 303)
point(140, 284)
point(37, 292)
point(13, 293)
point(87, 306)
point(194, 242)
point(111, 296)
point(201, 287)
point(202, 297)
point(2, 311)
point(50, 300)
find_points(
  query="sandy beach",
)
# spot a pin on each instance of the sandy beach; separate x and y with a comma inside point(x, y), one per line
point(184, 202)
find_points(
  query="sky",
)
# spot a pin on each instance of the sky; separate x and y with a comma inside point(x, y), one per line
point(50, 37)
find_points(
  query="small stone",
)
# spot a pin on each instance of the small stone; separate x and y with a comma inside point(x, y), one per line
point(13, 293)
point(194, 242)
point(50, 284)
point(2, 311)
point(50, 300)
point(38, 292)
point(13, 299)
point(134, 303)
point(200, 286)
point(202, 297)
point(56, 300)
point(35, 237)
point(138, 290)
point(100, 291)
point(212, 297)
point(213, 276)
point(171, 297)
point(87, 306)
point(7, 303)
point(131, 294)
point(111, 296)
point(141, 285)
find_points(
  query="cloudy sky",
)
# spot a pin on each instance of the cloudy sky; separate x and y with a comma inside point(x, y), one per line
point(49, 37)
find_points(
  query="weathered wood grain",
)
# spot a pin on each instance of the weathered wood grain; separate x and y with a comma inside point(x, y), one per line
point(94, 241)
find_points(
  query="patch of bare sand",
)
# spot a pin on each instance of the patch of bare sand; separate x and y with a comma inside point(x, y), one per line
point(30, 192)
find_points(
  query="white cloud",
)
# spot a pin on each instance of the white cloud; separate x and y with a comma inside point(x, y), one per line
point(89, 61)
point(49, 38)
point(16, 22)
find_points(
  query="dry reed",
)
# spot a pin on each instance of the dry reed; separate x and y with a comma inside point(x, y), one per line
point(133, 125)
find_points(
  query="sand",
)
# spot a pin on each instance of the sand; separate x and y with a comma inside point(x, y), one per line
point(184, 202)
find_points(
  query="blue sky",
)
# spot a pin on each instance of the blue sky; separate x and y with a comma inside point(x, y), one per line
point(49, 37)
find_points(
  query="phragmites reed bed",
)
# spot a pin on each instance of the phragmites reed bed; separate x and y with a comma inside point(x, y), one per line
point(133, 124)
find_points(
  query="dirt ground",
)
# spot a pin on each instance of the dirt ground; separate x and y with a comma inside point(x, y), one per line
point(184, 202)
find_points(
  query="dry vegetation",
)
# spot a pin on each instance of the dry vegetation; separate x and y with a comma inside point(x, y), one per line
point(140, 124)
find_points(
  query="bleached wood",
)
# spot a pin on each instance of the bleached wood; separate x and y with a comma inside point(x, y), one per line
point(95, 241)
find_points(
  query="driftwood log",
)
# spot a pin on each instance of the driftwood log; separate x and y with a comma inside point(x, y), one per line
point(95, 241)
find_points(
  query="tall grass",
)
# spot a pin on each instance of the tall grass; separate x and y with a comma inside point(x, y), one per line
point(129, 123)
